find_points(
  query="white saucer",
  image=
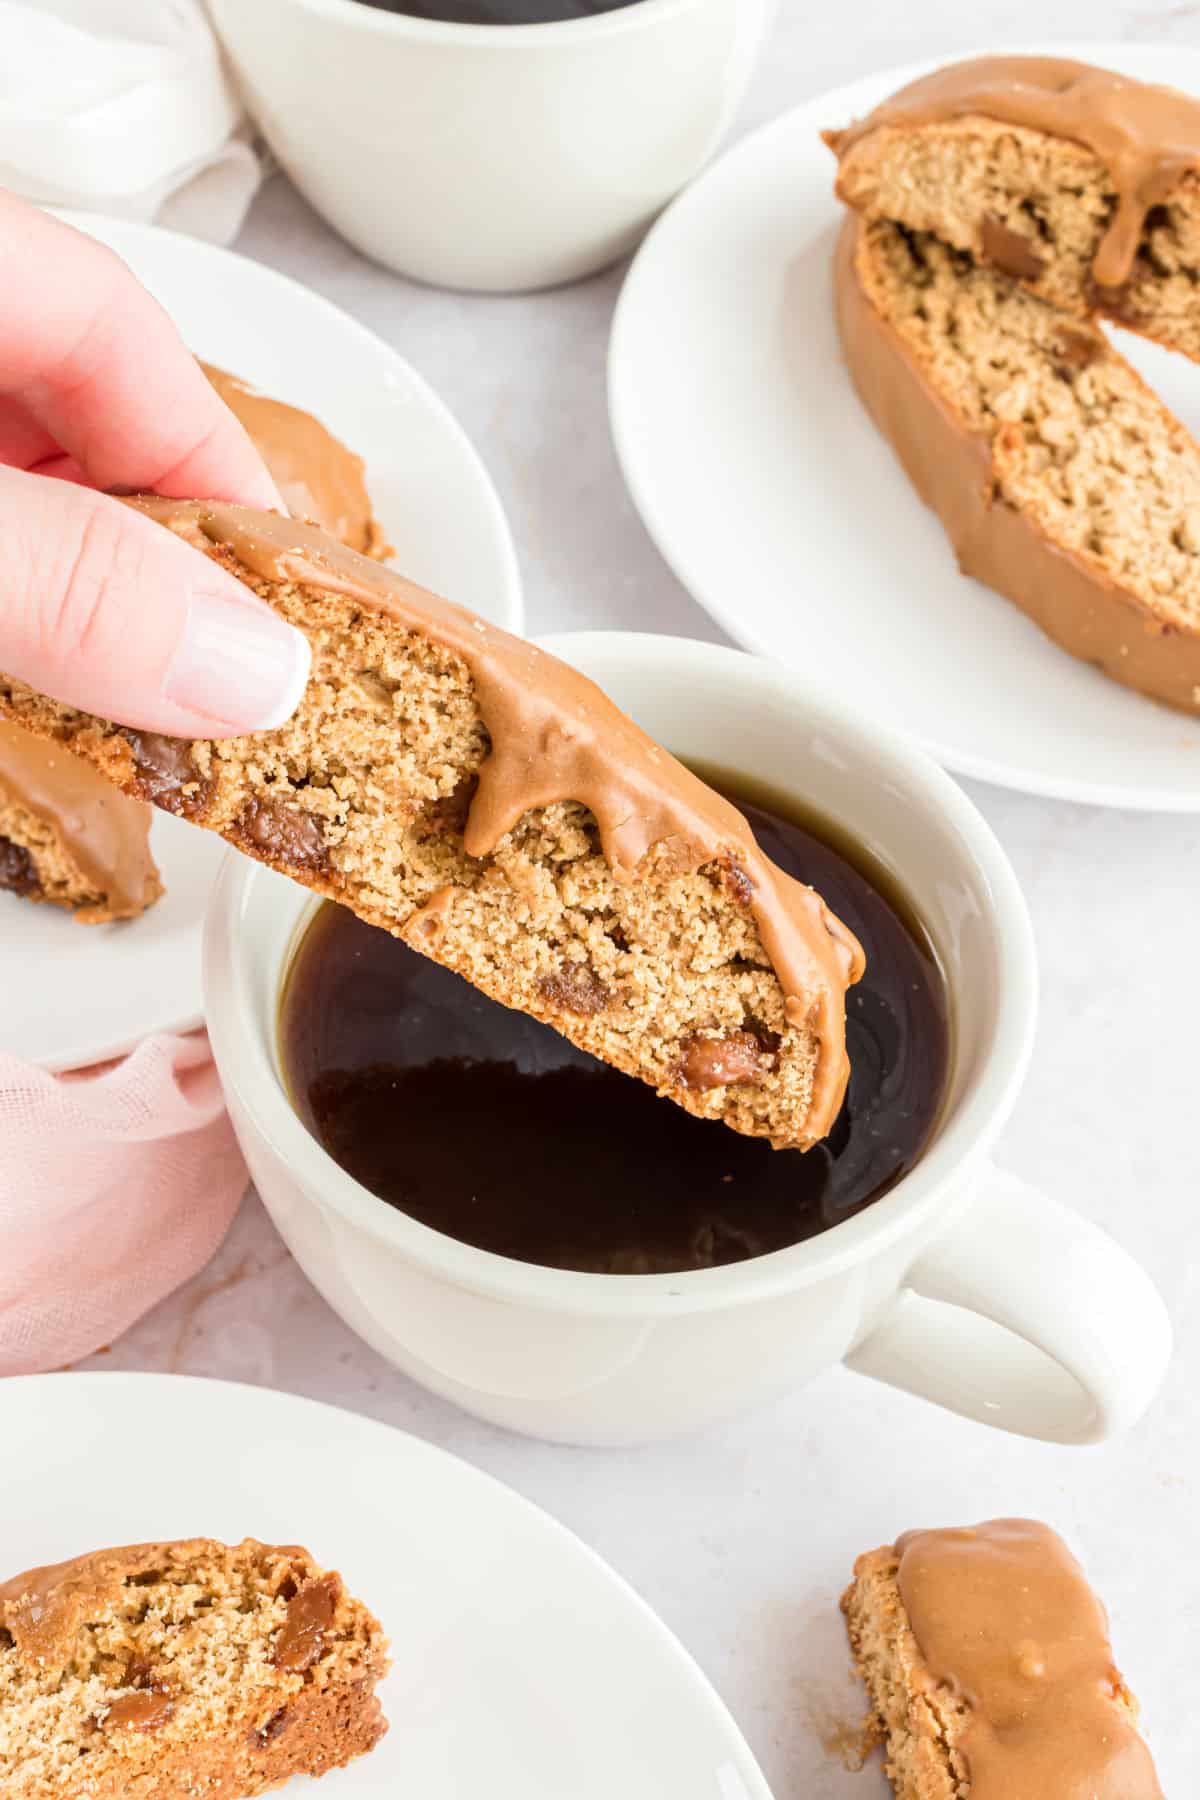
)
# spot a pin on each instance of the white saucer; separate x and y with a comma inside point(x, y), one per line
point(73, 994)
point(771, 495)
point(524, 1668)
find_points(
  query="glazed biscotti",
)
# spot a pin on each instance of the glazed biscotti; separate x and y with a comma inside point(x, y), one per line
point(1060, 479)
point(990, 1674)
point(186, 1671)
point(476, 797)
point(68, 837)
point(317, 476)
point(1082, 185)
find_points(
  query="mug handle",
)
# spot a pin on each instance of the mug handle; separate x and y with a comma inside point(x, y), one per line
point(1025, 1316)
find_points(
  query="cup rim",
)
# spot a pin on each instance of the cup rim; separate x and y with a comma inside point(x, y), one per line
point(247, 1067)
point(453, 33)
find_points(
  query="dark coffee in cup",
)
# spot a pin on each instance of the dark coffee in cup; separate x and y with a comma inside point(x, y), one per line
point(499, 12)
point(490, 1127)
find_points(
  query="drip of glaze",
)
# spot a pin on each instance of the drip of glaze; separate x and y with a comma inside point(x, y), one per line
point(1146, 137)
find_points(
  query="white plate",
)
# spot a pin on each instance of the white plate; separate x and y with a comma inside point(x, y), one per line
point(778, 505)
point(75, 995)
point(524, 1668)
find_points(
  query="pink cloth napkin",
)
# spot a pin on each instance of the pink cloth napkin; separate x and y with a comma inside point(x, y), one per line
point(116, 1184)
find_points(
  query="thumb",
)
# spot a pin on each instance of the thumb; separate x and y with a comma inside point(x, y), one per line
point(104, 610)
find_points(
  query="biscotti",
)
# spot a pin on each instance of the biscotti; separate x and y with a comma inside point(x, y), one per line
point(1082, 185)
point(317, 476)
point(68, 837)
point(989, 1669)
point(476, 797)
point(1060, 479)
point(173, 1671)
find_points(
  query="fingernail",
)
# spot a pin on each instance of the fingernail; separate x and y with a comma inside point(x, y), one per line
point(237, 663)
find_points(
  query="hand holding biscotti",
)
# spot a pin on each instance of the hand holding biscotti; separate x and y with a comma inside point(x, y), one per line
point(97, 607)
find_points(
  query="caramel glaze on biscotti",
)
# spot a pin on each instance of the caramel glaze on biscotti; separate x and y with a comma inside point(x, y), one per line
point(987, 1660)
point(317, 476)
point(475, 796)
point(1060, 479)
point(1082, 184)
point(177, 1670)
point(68, 837)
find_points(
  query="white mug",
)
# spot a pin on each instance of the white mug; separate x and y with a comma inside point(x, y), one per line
point(960, 1284)
point(496, 157)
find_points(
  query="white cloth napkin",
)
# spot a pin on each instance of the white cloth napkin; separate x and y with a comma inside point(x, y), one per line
point(125, 107)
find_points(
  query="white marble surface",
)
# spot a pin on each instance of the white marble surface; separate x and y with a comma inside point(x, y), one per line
point(742, 1540)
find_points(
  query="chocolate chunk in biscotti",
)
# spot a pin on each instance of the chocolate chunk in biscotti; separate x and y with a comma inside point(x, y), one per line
point(990, 1674)
point(738, 1057)
point(17, 872)
point(281, 833)
point(173, 1670)
point(166, 773)
point(575, 988)
point(1081, 184)
point(311, 1612)
point(68, 837)
point(473, 795)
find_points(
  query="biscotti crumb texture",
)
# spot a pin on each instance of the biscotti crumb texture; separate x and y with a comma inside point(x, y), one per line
point(1082, 185)
point(477, 798)
point(989, 1670)
point(1060, 478)
point(182, 1670)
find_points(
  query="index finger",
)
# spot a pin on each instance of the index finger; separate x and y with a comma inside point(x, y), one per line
point(99, 364)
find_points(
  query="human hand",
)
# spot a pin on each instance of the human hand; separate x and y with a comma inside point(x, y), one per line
point(99, 607)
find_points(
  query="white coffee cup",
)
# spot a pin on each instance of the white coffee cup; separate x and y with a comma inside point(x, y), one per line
point(491, 156)
point(961, 1284)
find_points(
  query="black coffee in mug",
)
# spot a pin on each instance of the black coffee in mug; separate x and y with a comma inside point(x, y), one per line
point(487, 1125)
point(499, 12)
